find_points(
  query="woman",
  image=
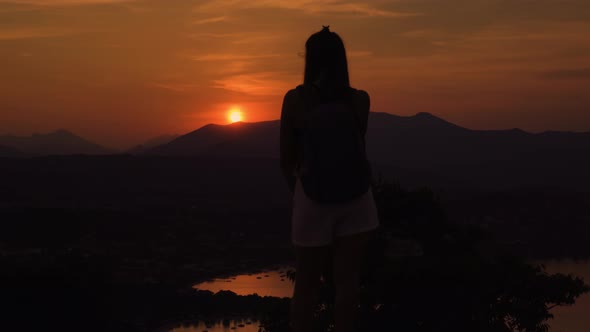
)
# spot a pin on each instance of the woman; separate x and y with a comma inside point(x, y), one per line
point(323, 125)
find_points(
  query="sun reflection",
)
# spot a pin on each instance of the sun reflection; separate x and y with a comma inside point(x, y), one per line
point(268, 283)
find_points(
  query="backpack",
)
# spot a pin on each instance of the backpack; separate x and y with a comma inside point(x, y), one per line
point(333, 166)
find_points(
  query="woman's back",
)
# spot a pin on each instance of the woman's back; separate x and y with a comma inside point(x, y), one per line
point(330, 144)
point(293, 122)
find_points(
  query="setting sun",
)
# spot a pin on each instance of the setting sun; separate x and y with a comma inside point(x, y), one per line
point(235, 115)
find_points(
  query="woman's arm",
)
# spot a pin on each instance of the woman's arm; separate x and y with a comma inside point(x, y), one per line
point(288, 153)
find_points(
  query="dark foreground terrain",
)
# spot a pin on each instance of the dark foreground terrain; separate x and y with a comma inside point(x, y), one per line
point(113, 243)
point(113, 270)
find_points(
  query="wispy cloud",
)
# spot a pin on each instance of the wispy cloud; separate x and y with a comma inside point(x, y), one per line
point(212, 35)
point(232, 57)
point(316, 7)
point(259, 84)
point(215, 19)
point(31, 33)
point(61, 2)
point(175, 86)
point(359, 54)
point(360, 8)
point(246, 37)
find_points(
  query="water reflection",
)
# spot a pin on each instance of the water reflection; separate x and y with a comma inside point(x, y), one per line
point(227, 326)
point(575, 318)
point(275, 283)
point(267, 283)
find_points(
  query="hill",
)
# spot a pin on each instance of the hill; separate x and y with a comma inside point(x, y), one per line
point(151, 143)
point(60, 142)
point(240, 139)
point(422, 149)
point(8, 152)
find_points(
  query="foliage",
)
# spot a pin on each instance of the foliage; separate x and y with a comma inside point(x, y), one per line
point(424, 273)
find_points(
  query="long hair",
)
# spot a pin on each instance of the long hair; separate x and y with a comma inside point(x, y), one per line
point(325, 60)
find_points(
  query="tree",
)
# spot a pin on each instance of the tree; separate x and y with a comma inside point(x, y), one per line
point(425, 273)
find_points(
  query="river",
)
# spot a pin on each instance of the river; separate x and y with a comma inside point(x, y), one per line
point(274, 283)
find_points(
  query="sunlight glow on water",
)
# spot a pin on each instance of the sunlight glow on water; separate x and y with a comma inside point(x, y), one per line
point(275, 283)
point(236, 325)
point(267, 283)
point(270, 283)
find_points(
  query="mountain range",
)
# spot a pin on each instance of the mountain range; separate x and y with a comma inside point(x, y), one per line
point(424, 145)
point(419, 150)
point(151, 143)
point(8, 152)
point(60, 142)
point(64, 142)
point(401, 139)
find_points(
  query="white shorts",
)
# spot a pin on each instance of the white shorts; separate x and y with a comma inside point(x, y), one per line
point(315, 224)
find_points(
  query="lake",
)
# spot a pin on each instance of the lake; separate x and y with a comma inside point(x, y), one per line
point(275, 283)
point(234, 325)
point(266, 283)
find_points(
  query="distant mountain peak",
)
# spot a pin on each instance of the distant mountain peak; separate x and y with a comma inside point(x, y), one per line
point(58, 142)
point(430, 117)
point(58, 132)
point(425, 115)
point(518, 130)
point(422, 122)
point(151, 143)
point(7, 151)
point(420, 140)
point(62, 131)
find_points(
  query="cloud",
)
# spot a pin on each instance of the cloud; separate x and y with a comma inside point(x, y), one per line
point(61, 2)
point(232, 57)
point(359, 54)
point(31, 33)
point(361, 8)
point(208, 20)
point(246, 37)
point(259, 84)
point(316, 7)
point(175, 86)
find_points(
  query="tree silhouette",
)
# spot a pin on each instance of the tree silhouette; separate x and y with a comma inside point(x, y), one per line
point(425, 273)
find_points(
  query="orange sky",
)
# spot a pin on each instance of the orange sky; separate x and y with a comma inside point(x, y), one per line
point(120, 72)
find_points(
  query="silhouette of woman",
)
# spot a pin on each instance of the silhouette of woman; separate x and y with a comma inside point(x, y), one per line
point(322, 141)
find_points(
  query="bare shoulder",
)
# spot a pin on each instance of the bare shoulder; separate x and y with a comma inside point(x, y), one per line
point(362, 98)
point(290, 99)
point(362, 94)
point(291, 94)
point(290, 102)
